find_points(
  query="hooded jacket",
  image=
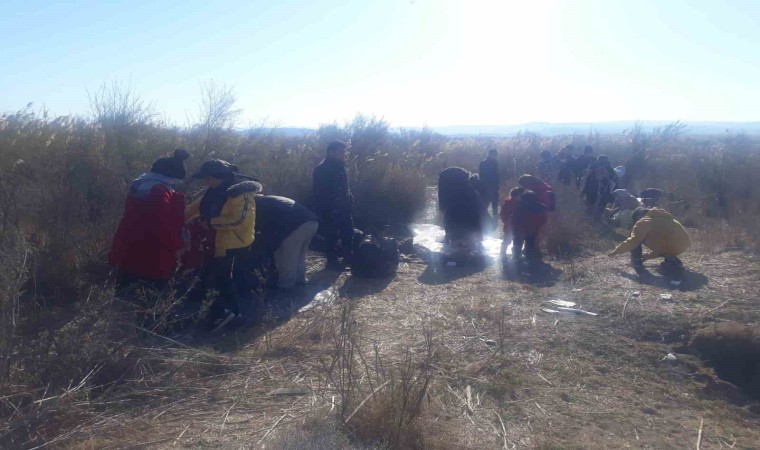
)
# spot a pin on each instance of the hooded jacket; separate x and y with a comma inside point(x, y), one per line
point(660, 232)
point(234, 223)
point(150, 232)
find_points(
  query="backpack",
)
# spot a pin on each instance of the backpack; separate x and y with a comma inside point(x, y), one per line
point(375, 257)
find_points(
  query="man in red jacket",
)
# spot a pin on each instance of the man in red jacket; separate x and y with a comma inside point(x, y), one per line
point(150, 235)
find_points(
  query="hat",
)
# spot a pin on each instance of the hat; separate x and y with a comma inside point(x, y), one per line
point(172, 166)
point(216, 168)
point(620, 171)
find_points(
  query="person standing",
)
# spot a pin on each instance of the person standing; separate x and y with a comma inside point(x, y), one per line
point(150, 235)
point(489, 176)
point(286, 227)
point(333, 203)
point(227, 210)
point(528, 219)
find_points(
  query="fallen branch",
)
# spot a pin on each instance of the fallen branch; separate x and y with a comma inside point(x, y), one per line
point(699, 435)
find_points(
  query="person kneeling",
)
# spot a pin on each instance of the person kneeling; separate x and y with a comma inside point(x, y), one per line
point(527, 221)
point(663, 235)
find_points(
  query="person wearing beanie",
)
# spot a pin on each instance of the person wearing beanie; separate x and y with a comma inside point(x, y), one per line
point(150, 235)
point(227, 210)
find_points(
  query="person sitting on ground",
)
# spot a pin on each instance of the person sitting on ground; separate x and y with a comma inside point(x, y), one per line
point(286, 228)
point(333, 201)
point(507, 211)
point(462, 209)
point(489, 176)
point(150, 235)
point(663, 235)
point(227, 210)
point(541, 188)
point(651, 197)
point(623, 207)
point(527, 220)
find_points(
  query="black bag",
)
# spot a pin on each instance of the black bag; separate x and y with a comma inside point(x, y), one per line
point(375, 257)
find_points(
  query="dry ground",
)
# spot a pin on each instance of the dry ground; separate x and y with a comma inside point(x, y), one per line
point(506, 374)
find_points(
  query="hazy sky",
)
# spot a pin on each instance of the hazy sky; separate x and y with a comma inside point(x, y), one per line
point(435, 62)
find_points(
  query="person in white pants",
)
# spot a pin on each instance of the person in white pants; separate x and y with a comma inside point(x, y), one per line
point(287, 228)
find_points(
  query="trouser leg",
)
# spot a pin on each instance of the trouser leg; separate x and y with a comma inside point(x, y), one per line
point(517, 245)
point(636, 257)
point(309, 230)
point(220, 273)
point(531, 248)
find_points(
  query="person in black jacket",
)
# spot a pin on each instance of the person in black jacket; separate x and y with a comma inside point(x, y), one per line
point(489, 176)
point(333, 203)
point(285, 228)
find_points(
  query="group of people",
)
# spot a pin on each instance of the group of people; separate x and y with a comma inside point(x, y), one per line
point(231, 234)
point(464, 199)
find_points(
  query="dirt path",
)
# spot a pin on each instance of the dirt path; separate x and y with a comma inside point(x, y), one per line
point(506, 374)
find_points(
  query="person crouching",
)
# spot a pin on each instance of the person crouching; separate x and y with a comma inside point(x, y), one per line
point(527, 220)
point(228, 210)
point(663, 235)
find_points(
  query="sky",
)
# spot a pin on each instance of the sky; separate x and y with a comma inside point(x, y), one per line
point(412, 62)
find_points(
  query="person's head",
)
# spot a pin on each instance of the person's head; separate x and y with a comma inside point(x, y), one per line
point(603, 160)
point(337, 151)
point(620, 171)
point(639, 213)
point(172, 166)
point(529, 181)
point(516, 192)
point(216, 172)
point(546, 154)
point(588, 150)
point(493, 153)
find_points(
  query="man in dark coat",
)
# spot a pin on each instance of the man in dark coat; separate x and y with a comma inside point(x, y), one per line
point(333, 202)
point(489, 176)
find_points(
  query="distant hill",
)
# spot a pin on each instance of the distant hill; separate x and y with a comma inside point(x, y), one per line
point(556, 129)
point(553, 129)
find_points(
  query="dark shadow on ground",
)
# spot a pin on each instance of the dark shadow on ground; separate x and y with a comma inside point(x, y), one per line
point(440, 271)
point(537, 273)
point(691, 280)
point(356, 287)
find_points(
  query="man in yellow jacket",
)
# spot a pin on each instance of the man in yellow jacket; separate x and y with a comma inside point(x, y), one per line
point(228, 211)
point(663, 235)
